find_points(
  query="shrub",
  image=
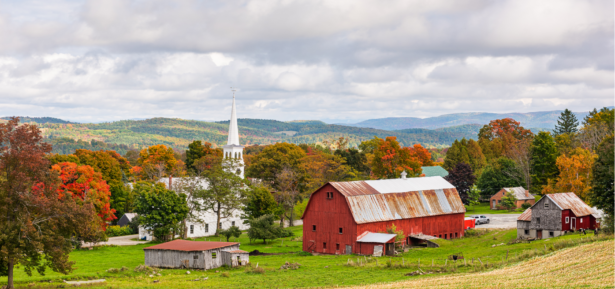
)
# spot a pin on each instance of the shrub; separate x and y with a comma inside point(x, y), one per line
point(233, 231)
point(225, 274)
point(113, 231)
point(259, 270)
point(287, 233)
point(524, 206)
point(143, 268)
point(303, 253)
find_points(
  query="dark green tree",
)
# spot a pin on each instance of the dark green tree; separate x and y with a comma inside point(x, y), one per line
point(602, 195)
point(263, 228)
point(355, 159)
point(543, 155)
point(457, 153)
point(195, 154)
point(233, 231)
point(270, 162)
point(500, 173)
point(160, 210)
point(509, 201)
point(566, 123)
point(260, 202)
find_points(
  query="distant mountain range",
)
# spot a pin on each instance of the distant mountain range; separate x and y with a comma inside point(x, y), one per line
point(540, 120)
point(38, 119)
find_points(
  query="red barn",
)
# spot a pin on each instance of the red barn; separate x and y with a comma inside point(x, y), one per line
point(554, 215)
point(340, 214)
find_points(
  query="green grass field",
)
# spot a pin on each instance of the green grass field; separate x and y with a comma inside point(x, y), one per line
point(484, 208)
point(324, 270)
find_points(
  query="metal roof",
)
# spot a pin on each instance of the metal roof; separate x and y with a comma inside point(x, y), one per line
point(520, 193)
point(570, 201)
point(526, 216)
point(435, 171)
point(189, 246)
point(375, 238)
point(130, 216)
point(354, 188)
point(409, 185)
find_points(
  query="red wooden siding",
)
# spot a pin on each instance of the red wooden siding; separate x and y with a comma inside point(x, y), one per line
point(588, 222)
point(435, 226)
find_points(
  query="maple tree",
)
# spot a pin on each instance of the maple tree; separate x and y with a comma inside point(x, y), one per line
point(575, 174)
point(85, 185)
point(321, 168)
point(36, 225)
point(272, 159)
point(158, 161)
point(390, 160)
point(500, 136)
point(201, 156)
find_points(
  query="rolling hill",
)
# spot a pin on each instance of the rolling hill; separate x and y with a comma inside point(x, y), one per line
point(540, 119)
point(178, 133)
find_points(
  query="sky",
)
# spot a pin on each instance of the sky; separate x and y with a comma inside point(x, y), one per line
point(340, 61)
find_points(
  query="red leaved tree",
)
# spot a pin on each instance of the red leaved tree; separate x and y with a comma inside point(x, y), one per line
point(36, 226)
point(390, 160)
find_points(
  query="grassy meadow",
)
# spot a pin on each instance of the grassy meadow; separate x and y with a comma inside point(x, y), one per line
point(491, 246)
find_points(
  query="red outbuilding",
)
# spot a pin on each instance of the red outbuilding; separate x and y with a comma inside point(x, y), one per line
point(340, 215)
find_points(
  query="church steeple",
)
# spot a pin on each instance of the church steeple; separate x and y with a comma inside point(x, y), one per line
point(233, 149)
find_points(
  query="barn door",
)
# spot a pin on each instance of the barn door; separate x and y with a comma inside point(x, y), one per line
point(573, 223)
point(493, 207)
point(538, 234)
point(348, 249)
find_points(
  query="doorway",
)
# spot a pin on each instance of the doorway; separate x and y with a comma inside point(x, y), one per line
point(390, 249)
point(348, 249)
point(573, 223)
point(538, 234)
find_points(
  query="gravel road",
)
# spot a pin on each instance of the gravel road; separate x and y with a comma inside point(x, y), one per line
point(500, 221)
point(120, 241)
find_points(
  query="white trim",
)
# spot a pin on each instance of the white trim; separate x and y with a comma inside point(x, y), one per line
point(567, 220)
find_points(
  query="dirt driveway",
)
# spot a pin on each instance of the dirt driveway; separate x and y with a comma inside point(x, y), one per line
point(500, 221)
point(120, 241)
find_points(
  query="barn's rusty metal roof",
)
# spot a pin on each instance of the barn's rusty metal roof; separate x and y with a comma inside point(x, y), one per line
point(396, 199)
point(520, 193)
point(375, 237)
point(190, 246)
point(570, 201)
point(526, 216)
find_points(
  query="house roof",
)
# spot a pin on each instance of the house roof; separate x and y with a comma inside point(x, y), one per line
point(570, 201)
point(369, 237)
point(435, 171)
point(130, 216)
point(520, 193)
point(526, 216)
point(396, 199)
point(189, 246)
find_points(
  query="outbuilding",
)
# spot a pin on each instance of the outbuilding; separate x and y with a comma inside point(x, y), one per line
point(554, 215)
point(126, 219)
point(523, 196)
point(195, 255)
point(339, 214)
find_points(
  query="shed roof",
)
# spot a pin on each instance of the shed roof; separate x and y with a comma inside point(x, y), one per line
point(189, 246)
point(570, 201)
point(396, 199)
point(526, 215)
point(435, 171)
point(375, 238)
point(520, 193)
point(130, 216)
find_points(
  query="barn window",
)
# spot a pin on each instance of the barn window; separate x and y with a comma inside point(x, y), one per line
point(538, 221)
point(314, 228)
point(546, 204)
point(329, 195)
point(191, 229)
point(196, 257)
point(567, 220)
point(550, 234)
point(337, 247)
point(213, 255)
point(445, 236)
point(206, 228)
point(233, 223)
point(455, 235)
point(581, 220)
point(324, 245)
point(527, 232)
point(341, 230)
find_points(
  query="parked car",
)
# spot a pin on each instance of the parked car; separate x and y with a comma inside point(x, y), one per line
point(481, 219)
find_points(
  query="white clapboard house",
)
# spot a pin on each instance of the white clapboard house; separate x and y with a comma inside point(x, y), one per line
point(207, 225)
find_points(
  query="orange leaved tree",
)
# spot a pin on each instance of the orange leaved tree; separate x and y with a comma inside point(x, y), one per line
point(390, 160)
point(158, 161)
point(84, 184)
point(575, 174)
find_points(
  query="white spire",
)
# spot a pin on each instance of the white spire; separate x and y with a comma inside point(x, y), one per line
point(233, 132)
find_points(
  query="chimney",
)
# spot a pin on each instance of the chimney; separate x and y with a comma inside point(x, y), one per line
point(170, 182)
point(403, 175)
point(527, 193)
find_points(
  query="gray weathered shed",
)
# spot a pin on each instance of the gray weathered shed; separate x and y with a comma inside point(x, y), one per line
point(126, 219)
point(195, 255)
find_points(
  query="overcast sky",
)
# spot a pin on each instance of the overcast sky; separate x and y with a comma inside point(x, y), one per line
point(347, 60)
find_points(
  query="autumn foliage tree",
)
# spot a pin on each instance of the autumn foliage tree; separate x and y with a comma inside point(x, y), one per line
point(36, 224)
point(497, 137)
point(85, 185)
point(158, 161)
point(390, 160)
point(202, 156)
point(575, 174)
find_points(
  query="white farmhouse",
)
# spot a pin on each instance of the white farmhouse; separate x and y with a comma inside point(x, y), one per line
point(207, 225)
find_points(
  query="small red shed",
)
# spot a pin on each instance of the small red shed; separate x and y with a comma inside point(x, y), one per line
point(339, 213)
point(554, 215)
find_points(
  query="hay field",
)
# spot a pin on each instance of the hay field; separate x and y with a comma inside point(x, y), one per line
point(586, 266)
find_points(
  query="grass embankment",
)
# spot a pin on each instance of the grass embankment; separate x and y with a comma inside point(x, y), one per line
point(327, 270)
point(484, 208)
point(586, 266)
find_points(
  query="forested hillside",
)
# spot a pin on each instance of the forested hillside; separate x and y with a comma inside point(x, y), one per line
point(178, 133)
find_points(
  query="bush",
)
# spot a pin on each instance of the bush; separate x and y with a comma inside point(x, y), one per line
point(287, 233)
point(303, 253)
point(225, 274)
point(113, 231)
point(134, 225)
point(524, 206)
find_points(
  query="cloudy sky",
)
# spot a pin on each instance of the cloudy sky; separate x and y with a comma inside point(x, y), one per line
point(336, 60)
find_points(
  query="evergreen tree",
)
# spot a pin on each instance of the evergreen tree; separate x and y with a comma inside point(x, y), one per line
point(457, 153)
point(476, 157)
point(602, 195)
point(567, 123)
point(500, 173)
point(542, 163)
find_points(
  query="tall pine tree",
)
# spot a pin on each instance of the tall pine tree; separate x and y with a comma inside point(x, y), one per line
point(542, 163)
point(567, 123)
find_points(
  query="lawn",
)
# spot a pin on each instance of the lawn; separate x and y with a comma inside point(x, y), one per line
point(325, 270)
point(484, 208)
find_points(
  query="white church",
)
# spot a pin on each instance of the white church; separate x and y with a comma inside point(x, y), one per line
point(207, 225)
